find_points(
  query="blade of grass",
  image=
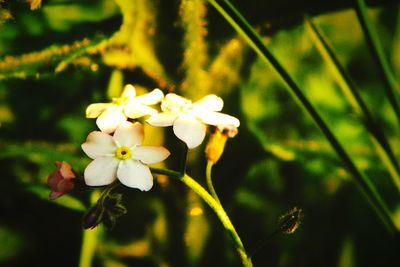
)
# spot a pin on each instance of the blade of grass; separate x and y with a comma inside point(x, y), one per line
point(349, 89)
point(240, 24)
point(378, 55)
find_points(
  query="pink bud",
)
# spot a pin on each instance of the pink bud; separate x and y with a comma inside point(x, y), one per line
point(61, 181)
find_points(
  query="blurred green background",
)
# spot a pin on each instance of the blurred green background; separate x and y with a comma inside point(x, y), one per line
point(57, 59)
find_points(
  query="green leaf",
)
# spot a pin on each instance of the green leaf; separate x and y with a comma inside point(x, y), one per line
point(66, 201)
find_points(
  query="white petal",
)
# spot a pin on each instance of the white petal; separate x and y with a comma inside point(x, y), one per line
point(189, 130)
point(228, 130)
point(98, 144)
point(151, 98)
point(173, 102)
point(94, 110)
point(210, 102)
point(216, 118)
point(150, 154)
point(101, 171)
point(109, 120)
point(129, 134)
point(134, 174)
point(129, 91)
point(163, 119)
point(134, 109)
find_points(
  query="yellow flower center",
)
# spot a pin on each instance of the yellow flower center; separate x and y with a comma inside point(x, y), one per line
point(119, 101)
point(123, 153)
point(187, 108)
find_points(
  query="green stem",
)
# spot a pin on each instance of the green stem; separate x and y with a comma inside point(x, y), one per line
point(376, 49)
point(89, 239)
point(215, 206)
point(169, 173)
point(350, 91)
point(89, 244)
point(240, 24)
point(223, 217)
point(209, 181)
point(107, 191)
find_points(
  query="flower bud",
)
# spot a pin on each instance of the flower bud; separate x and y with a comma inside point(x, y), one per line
point(93, 217)
point(61, 181)
point(106, 211)
point(289, 222)
point(216, 143)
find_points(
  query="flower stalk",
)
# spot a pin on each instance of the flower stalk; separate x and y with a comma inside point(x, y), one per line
point(223, 217)
point(209, 181)
point(215, 206)
point(242, 26)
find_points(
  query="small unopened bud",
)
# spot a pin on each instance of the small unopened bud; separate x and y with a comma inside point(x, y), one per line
point(93, 217)
point(216, 143)
point(289, 222)
point(61, 181)
point(106, 211)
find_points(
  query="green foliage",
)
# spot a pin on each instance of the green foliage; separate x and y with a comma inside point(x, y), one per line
point(4, 15)
point(56, 60)
point(66, 201)
point(14, 242)
point(133, 45)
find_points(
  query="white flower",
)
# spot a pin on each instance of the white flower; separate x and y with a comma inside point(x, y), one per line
point(110, 115)
point(189, 119)
point(121, 156)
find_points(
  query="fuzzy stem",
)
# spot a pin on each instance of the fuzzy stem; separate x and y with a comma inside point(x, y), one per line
point(376, 50)
point(215, 206)
point(210, 185)
point(349, 89)
point(242, 26)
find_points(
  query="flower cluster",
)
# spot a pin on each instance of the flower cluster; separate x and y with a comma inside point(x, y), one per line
point(119, 156)
point(117, 149)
